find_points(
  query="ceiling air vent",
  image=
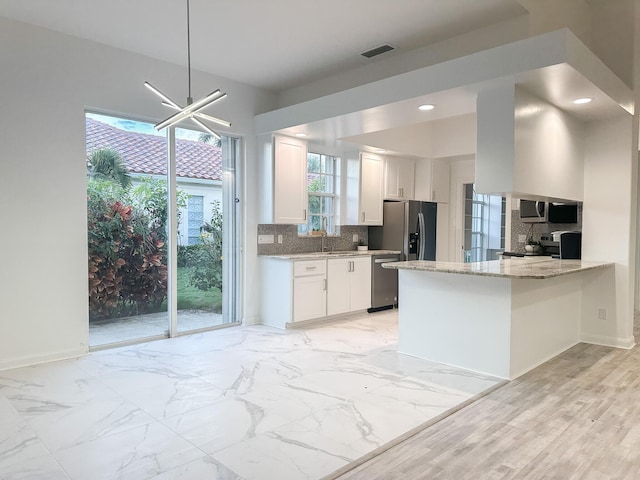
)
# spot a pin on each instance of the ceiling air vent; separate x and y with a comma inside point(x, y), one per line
point(377, 51)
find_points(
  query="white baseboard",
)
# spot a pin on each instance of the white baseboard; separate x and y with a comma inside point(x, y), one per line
point(616, 342)
point(28, 360)
point(253, 320)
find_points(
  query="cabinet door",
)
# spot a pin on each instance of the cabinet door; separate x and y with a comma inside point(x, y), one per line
point(371, 189)
point(392, 182)
point(399, 176)
point(423, 180)
point(360, 284)
point(440, 181)
point(290, 197)
point(338, 286)
point(407, 174)
point(309, 297)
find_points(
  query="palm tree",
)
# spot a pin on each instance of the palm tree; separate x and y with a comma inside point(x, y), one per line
point(106, 163)
point(208, 138)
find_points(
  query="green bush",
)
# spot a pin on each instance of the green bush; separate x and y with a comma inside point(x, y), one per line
point(127, 248)
point(206, 259)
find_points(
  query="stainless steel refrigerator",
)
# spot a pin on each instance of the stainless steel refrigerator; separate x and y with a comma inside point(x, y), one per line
point(410, 227)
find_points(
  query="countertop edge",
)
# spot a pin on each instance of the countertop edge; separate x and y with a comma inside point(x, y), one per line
point(325, 255)
point(531, 276)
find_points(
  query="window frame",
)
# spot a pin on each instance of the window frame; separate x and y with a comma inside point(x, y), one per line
point(306, 229)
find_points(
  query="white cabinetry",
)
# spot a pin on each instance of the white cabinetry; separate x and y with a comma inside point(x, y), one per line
point(399, 176)
point(348, 285)
point(309, 290)
point(432, 180)
point(298, 290)
point(364, 189)
point(290, 197)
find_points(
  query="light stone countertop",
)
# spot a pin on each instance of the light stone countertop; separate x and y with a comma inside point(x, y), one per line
point(337, 254)
point(513, 267)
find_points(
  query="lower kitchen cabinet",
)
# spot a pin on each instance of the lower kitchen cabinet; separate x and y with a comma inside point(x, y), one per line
point(348, 284)
point(309, 297)
point(300, 290)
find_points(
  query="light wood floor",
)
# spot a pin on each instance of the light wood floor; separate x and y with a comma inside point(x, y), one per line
point(575, 417)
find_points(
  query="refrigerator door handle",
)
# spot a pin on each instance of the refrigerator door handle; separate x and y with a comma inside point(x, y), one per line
point(421, 236)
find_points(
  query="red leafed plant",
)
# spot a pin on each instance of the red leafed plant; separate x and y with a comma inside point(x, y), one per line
point(127, 270)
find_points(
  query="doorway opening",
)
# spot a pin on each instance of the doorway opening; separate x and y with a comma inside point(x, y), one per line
point(484, 225)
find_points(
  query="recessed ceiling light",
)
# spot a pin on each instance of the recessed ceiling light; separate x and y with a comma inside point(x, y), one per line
point(426, 107)
point(580, 101)
point(301, 134)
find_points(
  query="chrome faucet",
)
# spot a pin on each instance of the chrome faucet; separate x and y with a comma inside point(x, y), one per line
point(323, 227)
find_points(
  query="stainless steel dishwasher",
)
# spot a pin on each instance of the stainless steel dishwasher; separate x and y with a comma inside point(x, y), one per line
point(384, 282)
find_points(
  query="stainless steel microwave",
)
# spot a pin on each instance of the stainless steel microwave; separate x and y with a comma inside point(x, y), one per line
point(532, 211)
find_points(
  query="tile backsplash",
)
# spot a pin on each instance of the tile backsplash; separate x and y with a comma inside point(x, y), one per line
point(518, 228)
point(293, 243)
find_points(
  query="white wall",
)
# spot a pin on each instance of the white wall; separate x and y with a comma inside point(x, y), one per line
point(605, 26)
point(47, 81)
point(527, 146)
point(608, 229)
point(210, 191)
point(495, 152)
point(549, 150)
point(401, 62)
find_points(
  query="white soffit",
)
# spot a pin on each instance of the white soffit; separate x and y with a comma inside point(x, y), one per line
point(555, 66)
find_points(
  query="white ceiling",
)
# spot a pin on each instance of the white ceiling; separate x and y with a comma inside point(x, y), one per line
point(273, 44)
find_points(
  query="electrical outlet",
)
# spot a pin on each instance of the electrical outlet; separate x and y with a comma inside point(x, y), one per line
point(279, 238)
point(602, 313)
point(522, 238)
point(262, 239)
point(355, 238)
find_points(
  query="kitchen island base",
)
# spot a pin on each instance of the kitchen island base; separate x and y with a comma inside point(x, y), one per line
point(495, 325)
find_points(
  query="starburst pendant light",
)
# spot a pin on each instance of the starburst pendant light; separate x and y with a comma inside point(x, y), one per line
point(191, 110)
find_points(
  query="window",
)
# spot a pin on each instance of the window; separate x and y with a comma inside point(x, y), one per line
point(195, 218)
point(321, 185)
point(483, 225)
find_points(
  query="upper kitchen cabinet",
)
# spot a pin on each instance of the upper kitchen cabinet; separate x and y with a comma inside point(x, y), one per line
point(432, 180)
point(399, 176)
point(290, 198)
point(364, 189)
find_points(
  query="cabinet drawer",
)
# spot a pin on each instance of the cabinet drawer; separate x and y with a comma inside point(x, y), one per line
point(309, 267)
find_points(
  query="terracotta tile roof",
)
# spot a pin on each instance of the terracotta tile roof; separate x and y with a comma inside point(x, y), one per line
point(145, 153)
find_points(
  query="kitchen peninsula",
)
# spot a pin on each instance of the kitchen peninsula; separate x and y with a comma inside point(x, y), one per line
point(501, 317)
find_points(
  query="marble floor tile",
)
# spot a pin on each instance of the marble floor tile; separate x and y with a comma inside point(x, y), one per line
point(69, 427)
point(38, 468)
point(430, 372)
point(33, 400)
point(170, 399)
point(223, 423)
point(346, 381)
point(232, 404)
point(291, 402)
point(42, 375)
point(131, 378)
point(21, 447)
point(205, 468)
point(10, 419)
point(273, 457)
point(137, 453)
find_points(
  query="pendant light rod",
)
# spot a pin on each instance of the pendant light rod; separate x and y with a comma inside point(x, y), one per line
point(189, 98)
point(191, 110)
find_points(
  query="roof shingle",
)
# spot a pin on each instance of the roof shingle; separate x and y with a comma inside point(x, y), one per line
point(144, 153)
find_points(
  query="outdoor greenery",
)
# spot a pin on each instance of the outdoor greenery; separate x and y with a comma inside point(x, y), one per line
point(127, 248)
point(127, 238)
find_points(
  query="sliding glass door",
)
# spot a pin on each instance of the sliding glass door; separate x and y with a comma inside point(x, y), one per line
point(135, 292)
point(206, 252)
